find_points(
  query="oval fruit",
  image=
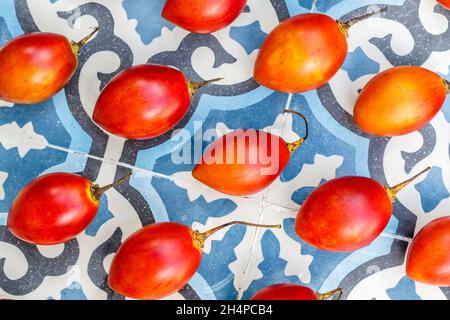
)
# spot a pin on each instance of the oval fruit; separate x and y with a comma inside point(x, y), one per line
point(399, 101)
point(244, 162)
point(293, 292)
point(145, 101)
point(158, 260)
point(303, 52)
point(203, 16)
point(35, 66)
point(428, 259)
point(285, 292)
point(55, 208)
point(347, 213)
point(444, 3)
point(145, 265)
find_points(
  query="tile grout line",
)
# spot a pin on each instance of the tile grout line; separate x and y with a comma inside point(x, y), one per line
point(396, 236)
point(282, 206)
point(115, 162)
point(263, 202)
point(313, 6)
point(385, 234)
point(288, 102)
point(129, 166)
point(252, 248)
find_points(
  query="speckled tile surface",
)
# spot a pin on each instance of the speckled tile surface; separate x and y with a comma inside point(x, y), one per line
point(59, 135)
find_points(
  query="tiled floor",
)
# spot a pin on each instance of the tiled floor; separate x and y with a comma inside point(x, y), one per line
point(59, 135)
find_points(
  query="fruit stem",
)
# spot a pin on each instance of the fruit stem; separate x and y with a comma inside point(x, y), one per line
point(294, 145)
point(447, 85)
point(97, 191)
point(344, 26)
point(328, 295)
point(392, 191)
point(194, 86)
point(76, 46)
point(201, 237)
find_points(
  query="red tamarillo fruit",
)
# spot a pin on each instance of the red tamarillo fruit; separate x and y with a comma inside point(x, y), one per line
point(293, 292)
point(347, 213)
point(428, 259)
point(145, 101)
point(158, 260)
point(203, 16)
point(303, 52)
point(35, 66)
point(245, 161)
point(400, 100)
point(55, 208)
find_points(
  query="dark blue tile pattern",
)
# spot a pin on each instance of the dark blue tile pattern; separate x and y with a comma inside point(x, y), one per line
point(59, 135)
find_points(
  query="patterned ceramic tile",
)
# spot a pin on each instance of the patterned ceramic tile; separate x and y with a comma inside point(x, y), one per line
point(59, 135)
point(130, 36)
point(374, 272)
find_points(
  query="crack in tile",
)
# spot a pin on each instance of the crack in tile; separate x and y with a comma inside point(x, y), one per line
point(395, 236)
point(260, 218)
point(313, 6)
point(114, 162)
point(263, 201)
point(252, 248)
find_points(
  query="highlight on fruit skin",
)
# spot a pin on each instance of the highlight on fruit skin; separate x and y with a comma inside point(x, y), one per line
point(303, 52)
point(444, 3)
point(55, 208)
point(428, 258)
point(400, 100)
point(284, 291)
point(347, 213)
point(145, 101)
point(159, 260)
point(35, 66)
point(244, 162)
point(202, 16)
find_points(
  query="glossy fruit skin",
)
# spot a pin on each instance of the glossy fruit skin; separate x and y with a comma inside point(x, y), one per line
point(240, 178)
point(428, 259)
point(143, 102)
point(302, 53)
point(445, 3)
point(52, 209)
point(35, 66)
point(399, 101)
point(155, 262)
point(285, 292)
point(344, 214)
point(203, 16)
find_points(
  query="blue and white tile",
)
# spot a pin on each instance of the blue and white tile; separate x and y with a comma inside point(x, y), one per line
point(387, 160)
point(226, 253)
point(128, 37)
point(59, 135)
point(374, 272)
point(78, 269)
